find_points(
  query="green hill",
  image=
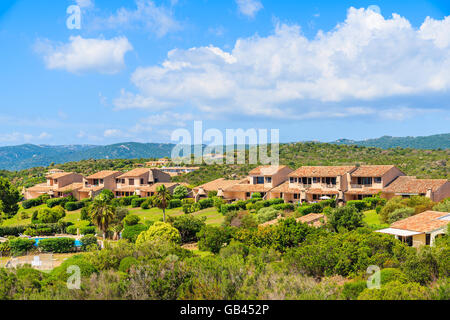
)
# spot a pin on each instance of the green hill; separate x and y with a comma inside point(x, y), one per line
point(440, 141)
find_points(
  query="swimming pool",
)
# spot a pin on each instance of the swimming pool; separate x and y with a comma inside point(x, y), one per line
point(78, 243)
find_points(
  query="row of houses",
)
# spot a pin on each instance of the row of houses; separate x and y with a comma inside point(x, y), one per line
point(306, 184)
point(313, 183)
point(140, 181)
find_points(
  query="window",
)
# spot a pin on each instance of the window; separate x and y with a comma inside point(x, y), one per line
point(316, 180)
point(377, 180)
point(248, 195)
point(268, 179)
point(365, 181)
point(296, 196)
point(101, 181)
point(259, 180)
point(428, 239)
point(291, 180)
point(131, 182)
point(142, 181)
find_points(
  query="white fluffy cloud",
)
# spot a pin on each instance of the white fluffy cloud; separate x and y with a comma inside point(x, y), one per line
point(147, 15)
point(249, 8)
point(85, 3)
point(285, 74)
point(81, 55)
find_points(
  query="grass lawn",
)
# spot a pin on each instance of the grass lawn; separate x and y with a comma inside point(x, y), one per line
point(373, 220)
point(212, 216)
point(154, 214)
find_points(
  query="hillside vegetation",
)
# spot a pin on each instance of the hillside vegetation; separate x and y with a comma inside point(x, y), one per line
point(421, 163)
point(439, 141)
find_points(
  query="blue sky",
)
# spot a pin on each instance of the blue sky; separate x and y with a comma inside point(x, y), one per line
point(139, 69)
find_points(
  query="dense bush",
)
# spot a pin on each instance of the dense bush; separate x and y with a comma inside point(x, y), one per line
point(347, 218)
point(360, 205)
point(353, 289)
point(175, 203)
point(86, 268)
point(88, 240)
point(443, 206)
point(57, 245)
point(267, 214)
point(127, 263)
point(213, 238)
point(73, 206)
point(51, 203)
point(136, 203)
point(12, 231)
point(308, 209)
point(400, 214)
point(396, 290)
point(159, 231)
point(28, 204)
point(206, 203)
point(20, 246)
point(284, 207)
point(132, 232)
point(131, 220)
point(180, 192)
point(46, 215)
point(85, 215)
point(188, 226)
point(126, 201)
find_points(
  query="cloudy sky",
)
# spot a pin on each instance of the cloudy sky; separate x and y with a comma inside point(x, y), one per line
point(136, 70)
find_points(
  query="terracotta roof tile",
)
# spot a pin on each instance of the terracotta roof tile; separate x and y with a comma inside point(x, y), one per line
point(372, 171)
point(321, 191)
point(103, 174)
point(73, 187)
point(423, 222)
point(218, 184)
point(247, 188)
point(58, 175)
point(134, 173)
point(413, 185)
point(40, 188)
point(322, 172)
point(155, 186)
point(266, 170)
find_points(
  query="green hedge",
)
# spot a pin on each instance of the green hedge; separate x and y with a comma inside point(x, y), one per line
point(206, 203)
point(175, 203)
point(136, 203)
point(73, 206)
point(17, 230)
point(57, 245)
point(360, 205)
point(51, 203)
point(20, 246)
point(132, 232)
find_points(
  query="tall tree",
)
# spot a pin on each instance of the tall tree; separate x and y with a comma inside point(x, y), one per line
point(102, 213)
point(9, 198)
point(162, 199)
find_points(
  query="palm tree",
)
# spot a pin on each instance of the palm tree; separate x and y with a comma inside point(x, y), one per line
point(162, 199)
point(102, 213)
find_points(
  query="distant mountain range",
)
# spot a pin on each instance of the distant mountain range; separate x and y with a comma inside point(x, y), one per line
point(440, 141)
point(29, 156)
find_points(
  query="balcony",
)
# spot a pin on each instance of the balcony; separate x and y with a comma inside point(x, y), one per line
point(361, 186)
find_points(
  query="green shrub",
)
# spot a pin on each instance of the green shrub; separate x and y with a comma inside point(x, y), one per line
point(73, 206)
point(132, 232)
point(126, 201)
point(284, 207)
point(86, 268)
point(57, 245)
point(127, 263)
point(396, 290)
point(136, 203)
point(12, 231)
point(353, 289)
point(400, 214)
point(256, 195)
point(20, 246)
point(46, 215)
point(443, 206)
point(267, 214)
point(175, 203)
point(85, 214)
point(146, 205)
point(212, 239)
point(28, 204)
point(88, 230)
point(206, 203)
point(392, 274)
point(87, 241)
point(5, 249)
point(188, 226)
point(72, 230)
point(131, 220)
point(159, 231)
point(180, 192)
point(51, 203)
point(360, 205)
point(347, 218)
